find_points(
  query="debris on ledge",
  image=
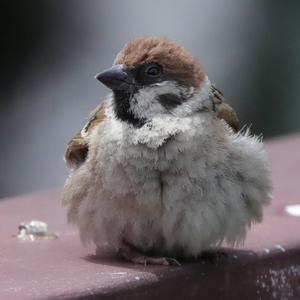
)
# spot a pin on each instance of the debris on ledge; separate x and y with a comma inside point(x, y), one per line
point(35, 230)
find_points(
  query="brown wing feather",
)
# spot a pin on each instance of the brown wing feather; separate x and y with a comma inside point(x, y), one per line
point(77, 149)
point(224, 110)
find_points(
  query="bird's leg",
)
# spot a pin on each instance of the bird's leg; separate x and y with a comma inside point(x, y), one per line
point(131, 253)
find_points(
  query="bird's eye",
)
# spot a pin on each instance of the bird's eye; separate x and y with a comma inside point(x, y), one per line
point(153, 70)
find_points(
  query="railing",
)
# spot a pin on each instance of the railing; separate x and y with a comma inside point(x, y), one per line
point(266, 267)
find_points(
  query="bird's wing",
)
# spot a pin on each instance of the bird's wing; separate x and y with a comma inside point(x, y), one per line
point(224, 110)
point(77, 148)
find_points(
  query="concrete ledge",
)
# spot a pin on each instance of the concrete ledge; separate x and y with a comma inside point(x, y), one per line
point(266, 267)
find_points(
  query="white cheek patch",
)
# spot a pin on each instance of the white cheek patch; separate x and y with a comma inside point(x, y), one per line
point(145, 103)
point(198, 101)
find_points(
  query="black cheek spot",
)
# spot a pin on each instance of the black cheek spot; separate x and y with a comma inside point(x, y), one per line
point(169, 101)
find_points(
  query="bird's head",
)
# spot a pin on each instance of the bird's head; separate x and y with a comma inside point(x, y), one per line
point(153, 76)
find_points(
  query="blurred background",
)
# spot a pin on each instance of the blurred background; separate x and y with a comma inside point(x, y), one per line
point(51, 50)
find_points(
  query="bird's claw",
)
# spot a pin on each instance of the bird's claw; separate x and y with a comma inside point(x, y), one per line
point(131, 253)
point(162, 261)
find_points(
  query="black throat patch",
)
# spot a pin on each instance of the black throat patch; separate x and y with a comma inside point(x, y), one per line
point(122, 108)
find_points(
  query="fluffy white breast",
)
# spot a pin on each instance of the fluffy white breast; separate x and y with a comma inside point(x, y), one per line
point(177, 184)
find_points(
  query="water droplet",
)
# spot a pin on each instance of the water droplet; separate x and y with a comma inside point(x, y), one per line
point(34, 230)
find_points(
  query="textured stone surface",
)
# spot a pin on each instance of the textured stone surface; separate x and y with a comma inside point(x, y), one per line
point(266, 267)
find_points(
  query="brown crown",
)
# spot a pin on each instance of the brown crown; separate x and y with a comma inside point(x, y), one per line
point(175, 60)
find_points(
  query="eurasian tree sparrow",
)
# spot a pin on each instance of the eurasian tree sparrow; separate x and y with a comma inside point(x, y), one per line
point(160, 170)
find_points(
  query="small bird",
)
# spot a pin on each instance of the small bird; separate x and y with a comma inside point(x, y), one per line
point(161, 171)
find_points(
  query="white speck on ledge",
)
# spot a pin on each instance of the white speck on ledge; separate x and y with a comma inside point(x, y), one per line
point(279, 247)
point(293, 210)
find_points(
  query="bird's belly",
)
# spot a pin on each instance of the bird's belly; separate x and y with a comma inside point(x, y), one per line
point(152, 203)
point(177, 197)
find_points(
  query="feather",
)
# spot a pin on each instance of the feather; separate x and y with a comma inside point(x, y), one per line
point(224, 110)
point(77, 148)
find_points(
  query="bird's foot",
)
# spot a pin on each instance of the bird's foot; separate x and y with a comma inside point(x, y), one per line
point(162, 261)
point(130, 253)
point(214, 256)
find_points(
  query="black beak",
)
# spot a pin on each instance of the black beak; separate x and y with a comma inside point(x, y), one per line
point(116, 78)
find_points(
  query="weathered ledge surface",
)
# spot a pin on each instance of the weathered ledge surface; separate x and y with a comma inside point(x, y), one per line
point(266, 267)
